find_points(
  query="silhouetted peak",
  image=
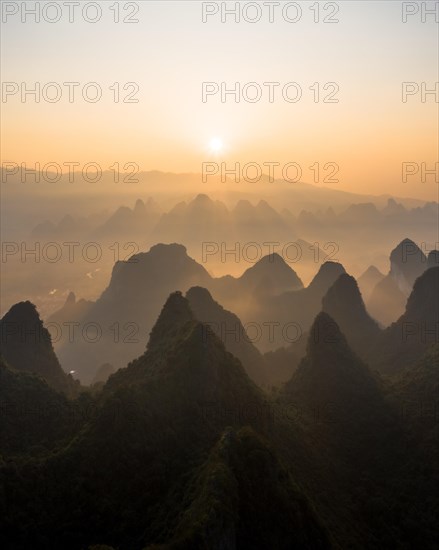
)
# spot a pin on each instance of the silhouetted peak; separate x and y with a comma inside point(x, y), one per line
point(345, 290)
point(202, 198)
point(325, 334)
point(407, 262)
point(360, 211)
point(393, 207)
point(22, 326)
point(328, 273)
point(372, 272)
point(344, 303)
point(23, 312)
point(275, 267)
point(71, 299)
point(406, 251)
point(175, 314)
point(139, 207)
point(161, 249)
point(198, 294)
point(26, 346)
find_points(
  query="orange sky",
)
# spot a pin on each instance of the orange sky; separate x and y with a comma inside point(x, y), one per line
point(369, 133)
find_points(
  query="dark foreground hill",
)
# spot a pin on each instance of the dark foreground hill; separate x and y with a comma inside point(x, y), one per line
point(160, 462)
point(184, 451)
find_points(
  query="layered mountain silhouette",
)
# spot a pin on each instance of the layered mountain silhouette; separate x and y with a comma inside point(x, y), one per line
point(331, 373)
point(405, 341)
point(72, 310)
point(343, 302)
point(347, 415)
point(160, 451)
point(294, 311)
point(125, 312)
point(407, 263)
point(368, 281)
point(270, 276)
point(387, 300)
point(183, 450)
point(26, 346)
point(230, 330)
point(130, 223)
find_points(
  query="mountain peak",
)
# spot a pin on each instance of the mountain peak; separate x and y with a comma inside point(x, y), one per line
point(227, 326)
point(346, 288)
point(175, 314)
point(172, 248)
point(71, 299)
point(344, 303)
point(326, 276)
point(372, 271)
point(139, 207)
point(325, 334)
point(331, 372)
point(23, 313)
point(407, 262)
point(202, 198)
point(26, 346)
point(199, 294)
point(273, 269)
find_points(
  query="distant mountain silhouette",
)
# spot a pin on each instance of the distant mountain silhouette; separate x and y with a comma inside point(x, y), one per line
point(343, 302)
point(72, 310)
point(184, 438)
point(405, 341)
point(26, 346)
point(345, 412)
point(200, 219)
point(330, 369)
point(360, 213)
point(273, 272)
point(129, 306)
point(270, 276)
point(394, 208)
point(407, 263)
point(368, 281)
point(229, 329)
point(157, 455)
point(387, 300)
point(300, 307)
point(131, 224)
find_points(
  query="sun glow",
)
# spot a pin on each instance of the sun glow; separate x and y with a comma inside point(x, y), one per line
point(216, 145)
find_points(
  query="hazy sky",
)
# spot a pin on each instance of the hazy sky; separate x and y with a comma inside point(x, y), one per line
point(170, 52)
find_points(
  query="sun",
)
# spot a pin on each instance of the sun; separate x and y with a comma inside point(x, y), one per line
point(216, 145)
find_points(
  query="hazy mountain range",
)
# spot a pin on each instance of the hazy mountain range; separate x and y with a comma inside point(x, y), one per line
point(186, 451)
